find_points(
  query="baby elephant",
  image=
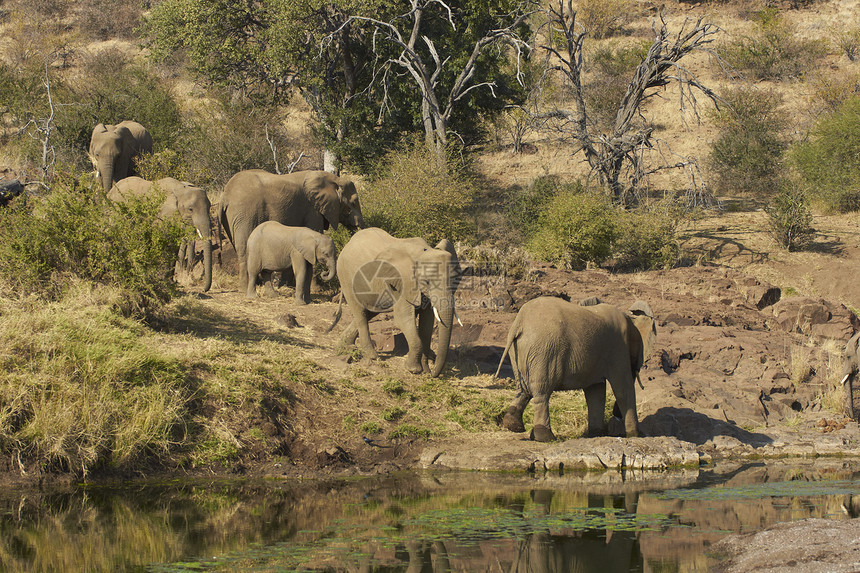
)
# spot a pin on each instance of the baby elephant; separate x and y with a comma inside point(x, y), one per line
point(276, 247)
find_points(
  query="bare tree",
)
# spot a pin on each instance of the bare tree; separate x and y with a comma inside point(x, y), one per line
point(620, 157)
point(437, 105)
point(43, 129)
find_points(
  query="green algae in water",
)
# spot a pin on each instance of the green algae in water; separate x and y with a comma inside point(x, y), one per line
point(759, 491)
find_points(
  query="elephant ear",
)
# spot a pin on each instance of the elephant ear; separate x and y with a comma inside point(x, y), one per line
point(307, 247)
point(325, 195)
point(645, 328)
point(123, 162)
point(403, 283)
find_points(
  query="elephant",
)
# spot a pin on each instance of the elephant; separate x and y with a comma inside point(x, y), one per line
point(192, 204)
point(379, 273)
point(558, 345)
point(113, 149)
point(850, 368)
point(313, 199)
point(274, 247)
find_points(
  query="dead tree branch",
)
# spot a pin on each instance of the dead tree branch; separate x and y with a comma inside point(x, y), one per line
point(619, 154)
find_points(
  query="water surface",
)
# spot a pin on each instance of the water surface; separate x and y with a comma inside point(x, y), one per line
point(608, 522)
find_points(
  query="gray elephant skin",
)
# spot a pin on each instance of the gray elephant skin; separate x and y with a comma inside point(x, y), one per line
point(558, 345)
point(276, 247)
point(186, 199)
point(850, 368)
point(313, 199)
point(380, 273)
point(113, 149)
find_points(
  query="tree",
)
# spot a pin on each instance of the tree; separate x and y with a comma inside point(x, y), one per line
point(266, 48)
point(618, 155)
point(445, 79)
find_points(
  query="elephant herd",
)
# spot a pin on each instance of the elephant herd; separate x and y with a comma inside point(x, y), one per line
point(276, 223)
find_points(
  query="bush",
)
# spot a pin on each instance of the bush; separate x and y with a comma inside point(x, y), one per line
point(412, 196)
point(773, 53)
point(613, 70)
point(113, 89)
point(748, 150)
point(829, 162)
point(646, 241)
point(524, 207)
point(72, 232)
point(225, 137)
point(575, 229)
point(790, 218)
point(81, 387)
point(603, 18)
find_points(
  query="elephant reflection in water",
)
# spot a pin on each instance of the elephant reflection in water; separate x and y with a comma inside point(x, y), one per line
point(606, 551)
point(419, 557)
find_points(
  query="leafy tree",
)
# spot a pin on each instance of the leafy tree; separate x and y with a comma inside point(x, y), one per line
point(829, 162)
point(331, 52)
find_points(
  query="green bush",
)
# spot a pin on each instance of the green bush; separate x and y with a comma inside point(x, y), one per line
point(412, 196)
point(524, 207)
point(829, 162)
point(72, 232)
point(790, 218)
point(575, 229)
point(603, 18)
point(225, 136)
point(646, 240)
point(613, 68)
point(748, 150)
point(773, 52)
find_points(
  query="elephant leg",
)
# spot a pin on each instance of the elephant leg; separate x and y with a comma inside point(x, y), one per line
point(361, 324)
point(513, 419)
point(426, 322)
point(625, 396)
point(303, 271)
point(180, 256)
point(542, 431)
point(595, 400)
point(404, 318)
point(268, 286)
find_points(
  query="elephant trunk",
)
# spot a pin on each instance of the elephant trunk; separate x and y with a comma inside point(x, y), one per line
point(331, 264)
point(106, 173)
point(204, 230)
point(207, 264)
point(444, 311)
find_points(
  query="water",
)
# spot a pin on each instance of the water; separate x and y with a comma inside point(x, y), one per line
point(607, 522)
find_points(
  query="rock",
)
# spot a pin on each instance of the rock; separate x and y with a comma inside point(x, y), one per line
point(288, 320)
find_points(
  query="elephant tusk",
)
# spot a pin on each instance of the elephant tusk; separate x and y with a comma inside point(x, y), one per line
point(845, 379)
point(436, 314)
point(457, 316)
point(199, 234)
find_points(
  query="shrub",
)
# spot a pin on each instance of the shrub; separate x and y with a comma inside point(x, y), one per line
point(82, 387)
point(773, 52)
point(602, 18)
point(849, 42)
point(112, 89)
point(575, 229)
point(106, 19)
point(646, 240)
point(412, 196)
point(71, 231)
point(790, 218)
point(525, 206)
point(829, 162)
point(830, 91)
point(613, 68)
point(748, 150)
point(225, 136)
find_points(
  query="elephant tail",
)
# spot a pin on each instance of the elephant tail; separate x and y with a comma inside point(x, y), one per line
point(223, 223)
point(510, 347)
point(338, 313)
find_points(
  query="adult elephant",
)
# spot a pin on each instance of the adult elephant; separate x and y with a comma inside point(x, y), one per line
point(380, 273)
point(557, 345)
point(192, 204)
point(850, 368)
point(113, 149)
point(314, 199)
